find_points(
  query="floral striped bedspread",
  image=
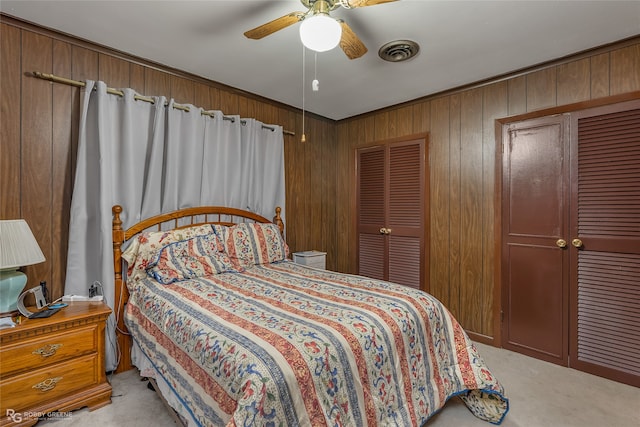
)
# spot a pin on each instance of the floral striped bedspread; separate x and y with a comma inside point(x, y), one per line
point(286, 345)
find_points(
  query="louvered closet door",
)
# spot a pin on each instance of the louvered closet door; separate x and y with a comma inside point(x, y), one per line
point(606, 293)
point(391, 208)
point(371, 212)
point(405, 211)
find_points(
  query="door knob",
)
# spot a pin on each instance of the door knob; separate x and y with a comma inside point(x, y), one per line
point(561, 243)
point(383, 230)
point(577, 243)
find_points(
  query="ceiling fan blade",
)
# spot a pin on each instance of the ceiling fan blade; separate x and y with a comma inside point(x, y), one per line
point(352, 4)
point(275, 25)
point(350, 43)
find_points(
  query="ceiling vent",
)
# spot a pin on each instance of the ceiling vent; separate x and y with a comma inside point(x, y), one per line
point(399, 50)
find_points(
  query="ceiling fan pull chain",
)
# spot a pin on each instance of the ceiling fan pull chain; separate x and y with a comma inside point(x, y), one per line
point(315, 83)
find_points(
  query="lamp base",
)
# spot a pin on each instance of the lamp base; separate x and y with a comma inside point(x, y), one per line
point(12, 282)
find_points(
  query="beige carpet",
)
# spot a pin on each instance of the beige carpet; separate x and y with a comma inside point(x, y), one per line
point(540, 395)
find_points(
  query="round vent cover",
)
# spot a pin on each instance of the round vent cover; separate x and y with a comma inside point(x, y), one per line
point(398, 50)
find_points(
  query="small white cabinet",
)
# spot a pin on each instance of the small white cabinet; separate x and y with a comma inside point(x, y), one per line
point(315, 259)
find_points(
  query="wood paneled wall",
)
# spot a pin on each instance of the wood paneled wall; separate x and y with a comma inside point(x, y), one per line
point(39, 126)
point(462, 167)
point(38, 140)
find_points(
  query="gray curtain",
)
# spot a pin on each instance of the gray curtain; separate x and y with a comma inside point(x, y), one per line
point(150, 159)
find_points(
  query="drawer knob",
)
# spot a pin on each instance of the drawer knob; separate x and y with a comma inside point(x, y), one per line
point(48, 350)
point(48, 384)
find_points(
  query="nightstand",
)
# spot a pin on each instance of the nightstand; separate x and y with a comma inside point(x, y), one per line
point(315, 259)
point(54, 364)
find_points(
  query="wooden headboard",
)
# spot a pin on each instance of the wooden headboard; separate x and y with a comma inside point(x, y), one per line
point(182, 218)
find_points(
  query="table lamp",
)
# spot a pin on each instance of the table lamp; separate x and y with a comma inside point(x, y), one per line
point(18, 248)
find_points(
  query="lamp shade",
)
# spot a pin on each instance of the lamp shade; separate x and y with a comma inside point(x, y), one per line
point(18, 246)
point(320, 32)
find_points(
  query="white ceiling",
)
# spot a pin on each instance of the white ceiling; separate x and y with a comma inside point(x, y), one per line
point(461, 42)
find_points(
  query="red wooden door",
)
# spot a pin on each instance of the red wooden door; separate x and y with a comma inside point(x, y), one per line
point(535, 255)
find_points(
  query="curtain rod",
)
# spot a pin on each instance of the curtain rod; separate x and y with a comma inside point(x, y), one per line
point(77, 83)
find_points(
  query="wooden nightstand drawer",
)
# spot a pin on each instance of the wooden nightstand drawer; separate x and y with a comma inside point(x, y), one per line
point(50, 383)
point(47, 349)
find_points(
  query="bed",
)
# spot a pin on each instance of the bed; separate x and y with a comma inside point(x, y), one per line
point(236, 334)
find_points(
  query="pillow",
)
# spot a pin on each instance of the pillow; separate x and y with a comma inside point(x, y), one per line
point(189, 259)
point(249, 244)
point(145, 248)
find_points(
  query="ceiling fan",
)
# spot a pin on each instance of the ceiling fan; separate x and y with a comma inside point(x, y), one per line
point(315, 37)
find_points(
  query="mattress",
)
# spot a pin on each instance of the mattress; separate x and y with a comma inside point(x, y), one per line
point(284, 344)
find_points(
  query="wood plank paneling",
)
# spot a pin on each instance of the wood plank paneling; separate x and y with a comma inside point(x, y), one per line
point(295, 189)
point(313, 183)
point(157, 83)
point(10, 190)
point(323, 188)
point(625, 66)
point(422, 125)
point(84, 64)
point(287, 120)
point(404, 118)
point(517, 95)
point(599, 75)
point(229, 102)
point(202, 96)
point(62, 167)
point(343, 199)
point(290, 156)
point(36, 151)
point(455, 231)
point(381, 126)
point(495, 105)
point(246, 108)
point(471, 183)
point(440, 210)
point(541, 89)
point(182, 90)
point(114, 71)
point(421, 117)
point(214, 93)
point(269, 114)
point(574, 82)
point(391, 117)
point(367, 131)
point(136, 80)
point(330, 202)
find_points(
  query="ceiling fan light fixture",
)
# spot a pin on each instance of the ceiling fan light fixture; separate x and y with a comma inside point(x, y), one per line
point(320, 32)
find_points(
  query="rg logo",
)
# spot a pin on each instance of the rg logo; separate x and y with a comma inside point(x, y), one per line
point(15, 416)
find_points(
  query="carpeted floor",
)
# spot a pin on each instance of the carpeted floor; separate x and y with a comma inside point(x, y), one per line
point(540, 395)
